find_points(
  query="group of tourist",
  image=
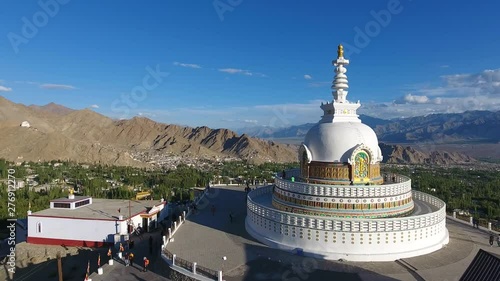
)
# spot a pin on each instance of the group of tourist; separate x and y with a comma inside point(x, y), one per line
point(128, 257)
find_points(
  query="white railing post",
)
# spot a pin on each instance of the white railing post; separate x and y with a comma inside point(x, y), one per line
point(173, 259)
point(169, 233)
point(454, 215)
point(175, 225)
point(489, 226)
point(470, 220)
point(194, 268)
point(184, 215)
point(180, 220)
point(219, 276)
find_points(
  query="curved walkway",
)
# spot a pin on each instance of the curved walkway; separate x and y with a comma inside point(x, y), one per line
point(205, 238)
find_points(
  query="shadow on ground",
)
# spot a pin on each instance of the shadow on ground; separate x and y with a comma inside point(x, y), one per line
point(74, 267)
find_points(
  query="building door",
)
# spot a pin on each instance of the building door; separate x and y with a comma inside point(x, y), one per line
point(145, 224)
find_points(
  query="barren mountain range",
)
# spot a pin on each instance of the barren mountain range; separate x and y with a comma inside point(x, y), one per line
point(59, 133)
point(470, 126)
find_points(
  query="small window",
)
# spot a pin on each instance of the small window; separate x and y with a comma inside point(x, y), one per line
point(62, 205)
point(39, 227)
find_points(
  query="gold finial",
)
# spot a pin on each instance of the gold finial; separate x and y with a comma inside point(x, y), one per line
point(340, 51)
point(71, 190)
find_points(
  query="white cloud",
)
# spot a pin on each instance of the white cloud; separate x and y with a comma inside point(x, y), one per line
point(242, 72)
point(415, 99)
point(146, 114)
point(189, 65)
point(27, 82)
point(246, 121)
point(94, 106)
point(307, 77)
point(57, 87)
point(5, 89)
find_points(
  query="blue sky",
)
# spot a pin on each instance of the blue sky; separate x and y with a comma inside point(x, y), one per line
point(238, 63)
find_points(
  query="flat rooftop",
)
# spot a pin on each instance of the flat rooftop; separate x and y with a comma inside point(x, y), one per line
point(67, 200)
point(102, 209)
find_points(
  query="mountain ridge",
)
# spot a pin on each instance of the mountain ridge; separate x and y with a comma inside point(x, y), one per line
point(439, 128)
point(85, 136)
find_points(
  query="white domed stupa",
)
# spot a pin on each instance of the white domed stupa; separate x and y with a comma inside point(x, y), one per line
point(338, 205)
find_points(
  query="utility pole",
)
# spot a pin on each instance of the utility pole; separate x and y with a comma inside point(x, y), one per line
point(59, 266)
point(129, 218)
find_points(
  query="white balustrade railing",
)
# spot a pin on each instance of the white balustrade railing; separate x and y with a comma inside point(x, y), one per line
point(352, 224)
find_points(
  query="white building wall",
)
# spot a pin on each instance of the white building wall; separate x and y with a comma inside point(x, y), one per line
point(82, 229)
point(73, 229)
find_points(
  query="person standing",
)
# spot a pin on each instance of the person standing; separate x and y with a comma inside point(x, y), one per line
point(146, 263)
point(109, 253)
point(127, 261)
point(131, 258)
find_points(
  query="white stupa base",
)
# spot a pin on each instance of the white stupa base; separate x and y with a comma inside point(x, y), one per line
point(110, 262)
point(100, 271)
point(369, 255)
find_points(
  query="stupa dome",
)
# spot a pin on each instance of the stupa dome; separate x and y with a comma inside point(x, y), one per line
point(336, 142)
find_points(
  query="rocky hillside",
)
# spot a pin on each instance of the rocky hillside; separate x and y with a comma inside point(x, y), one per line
point(397, 154)
point(57, 132)
point(477, 126)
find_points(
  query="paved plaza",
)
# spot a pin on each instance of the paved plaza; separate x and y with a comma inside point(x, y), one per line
point(206, 237)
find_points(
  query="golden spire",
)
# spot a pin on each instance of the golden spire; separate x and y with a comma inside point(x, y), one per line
point(340, 51)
